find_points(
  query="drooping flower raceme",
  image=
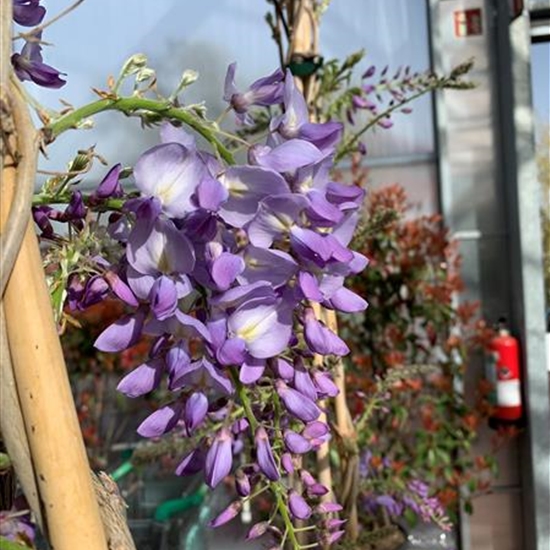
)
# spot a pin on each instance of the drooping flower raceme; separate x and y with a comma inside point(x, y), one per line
point(221, 267)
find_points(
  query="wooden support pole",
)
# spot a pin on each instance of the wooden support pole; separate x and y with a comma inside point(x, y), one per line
point(57, 450)
point(55, 440)
point(305, 40)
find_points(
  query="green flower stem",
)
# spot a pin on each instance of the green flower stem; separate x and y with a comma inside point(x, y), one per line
point(275, 486)
point(283, 510)
point(103, 206)
point(132, 106)
point(348, 145)
point(243, 396)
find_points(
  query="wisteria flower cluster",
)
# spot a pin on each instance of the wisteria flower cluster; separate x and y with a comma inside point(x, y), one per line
point(29, 64)
point(224, 267)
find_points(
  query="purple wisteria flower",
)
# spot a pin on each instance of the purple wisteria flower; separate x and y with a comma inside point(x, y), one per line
point(28, 65)
point(28, 13)
point(220, 266)
point(265, 91)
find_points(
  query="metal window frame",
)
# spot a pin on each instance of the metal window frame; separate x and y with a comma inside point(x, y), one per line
point(514, 150)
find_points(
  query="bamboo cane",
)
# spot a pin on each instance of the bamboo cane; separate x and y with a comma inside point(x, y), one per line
point(53, 432)
point(305, 40)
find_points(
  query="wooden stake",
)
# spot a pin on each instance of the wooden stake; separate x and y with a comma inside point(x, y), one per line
point(55, 441)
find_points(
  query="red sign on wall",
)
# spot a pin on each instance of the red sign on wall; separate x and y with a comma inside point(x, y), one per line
point(468, 22)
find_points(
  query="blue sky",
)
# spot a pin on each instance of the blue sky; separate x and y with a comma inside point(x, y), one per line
point(540, 75)
point(92, 42)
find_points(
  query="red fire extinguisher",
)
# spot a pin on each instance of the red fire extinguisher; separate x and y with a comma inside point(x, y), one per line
point(505, 374)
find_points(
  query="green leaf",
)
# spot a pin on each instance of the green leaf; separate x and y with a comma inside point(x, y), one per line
point(6, 544)
point(410, 517)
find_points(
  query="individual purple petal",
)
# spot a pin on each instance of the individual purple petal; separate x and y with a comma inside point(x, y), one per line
point(243, 293)
point(225, 269)
point(287, 464)
point(120, 289)
point(347, 301)
point(229, 85)
point(180, 325)
point(75, 291)
point(28, 65)
point(218, 332)
point(264, 455)
point(266, 329)
point(177, 363)
point(307, 479)
point(329, 284)
point(309, 285)
point(339, 251)
point(325, 136)
point(328, 508)
point(170, 172)
point(199, 373)
point(240, 425)
point(159, 247)
point(142, 379)
point(220, 381)
point(28, 13)
point(340, 193)
point(122, 334)
point(119, 227)
point(219, 458)
point(311, 245)
point(273, 266)
point(296, 110)
point(211, 194)
point(321, 212)
point(335, 523)
point(231, 512)
point(76, 209)
point(110, 184)
point(164, 298)
point(264, 91)
point(232, 352)
point(316, 433)
point(296, 403)
point(321, 339)
point(247, 186)
point(302, 380)
point(313, 176)
point(317, 490)
point(344, 231)
point(95, 291)
point(201, 226)
point(324, 384)
point(251, 370)
point(192, 463)
point(356, 265)
point(276, 216)
point(257, 530)
point(330, 538)
point(196, 408)
point(242, 483)
point(282, 369)
point(299, 508)
point(41, 216)
point(161, 421)
point(288, 156)
point(295, 443)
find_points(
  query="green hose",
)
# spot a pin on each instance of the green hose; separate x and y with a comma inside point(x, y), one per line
point(125, 468)
point(175, 506)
